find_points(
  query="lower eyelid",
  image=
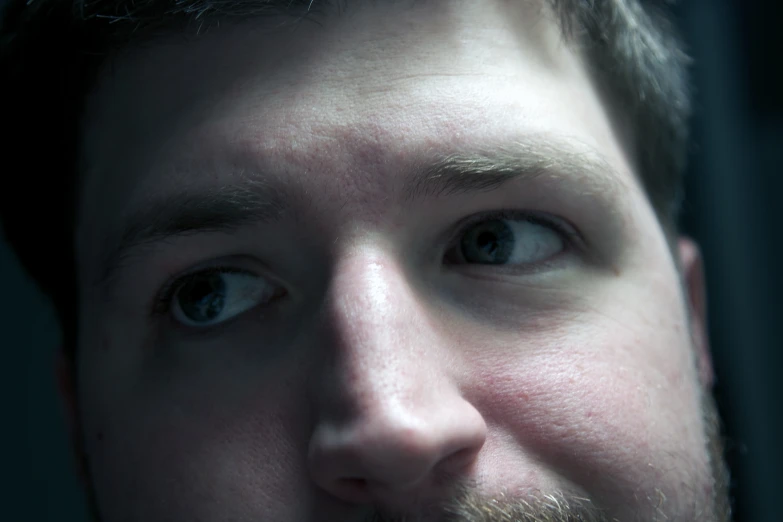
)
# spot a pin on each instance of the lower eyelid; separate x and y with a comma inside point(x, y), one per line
point(161, 304)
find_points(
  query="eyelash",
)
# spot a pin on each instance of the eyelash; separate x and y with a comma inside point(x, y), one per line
point(566, 231)
point(161, 306)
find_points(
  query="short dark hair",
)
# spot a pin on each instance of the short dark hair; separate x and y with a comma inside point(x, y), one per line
point(51, 51)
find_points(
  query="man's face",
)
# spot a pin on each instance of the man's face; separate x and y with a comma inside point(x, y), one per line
point(385, 330)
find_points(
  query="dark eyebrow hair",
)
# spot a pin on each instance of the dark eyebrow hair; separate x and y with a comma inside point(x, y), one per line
point(251, 201)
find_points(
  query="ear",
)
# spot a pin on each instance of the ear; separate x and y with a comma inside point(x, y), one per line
point(66, 387)
point(692, 267)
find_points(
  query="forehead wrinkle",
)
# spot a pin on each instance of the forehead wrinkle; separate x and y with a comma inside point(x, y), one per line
point(371, 141)
point(243, 201)
point(317, 57)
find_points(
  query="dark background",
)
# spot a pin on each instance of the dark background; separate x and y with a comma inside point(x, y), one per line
point(733, 206)
point(733, 209)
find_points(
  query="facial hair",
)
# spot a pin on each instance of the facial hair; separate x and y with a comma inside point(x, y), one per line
point(467, 505)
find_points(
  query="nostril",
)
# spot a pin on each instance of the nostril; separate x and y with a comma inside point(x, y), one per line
point(354, 489)
point(460, 459)
point(356, 483)
point(453, 467)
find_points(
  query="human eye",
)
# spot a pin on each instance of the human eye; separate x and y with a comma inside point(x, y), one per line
point(213, 296)
point(515, 238)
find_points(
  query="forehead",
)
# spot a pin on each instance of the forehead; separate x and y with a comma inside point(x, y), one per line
point(344, 102)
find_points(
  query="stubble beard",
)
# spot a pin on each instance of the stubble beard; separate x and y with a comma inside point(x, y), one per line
point(467, 505)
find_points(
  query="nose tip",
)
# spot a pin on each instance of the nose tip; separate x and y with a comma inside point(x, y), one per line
point(392, 462)
point(390, 421)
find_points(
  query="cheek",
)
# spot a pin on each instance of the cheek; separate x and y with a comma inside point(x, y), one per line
point(612, 408)
point(193, 449)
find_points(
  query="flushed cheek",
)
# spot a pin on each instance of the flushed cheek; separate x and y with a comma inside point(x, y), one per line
point(602, 418)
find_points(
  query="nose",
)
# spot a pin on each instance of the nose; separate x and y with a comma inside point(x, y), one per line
point(390, 420)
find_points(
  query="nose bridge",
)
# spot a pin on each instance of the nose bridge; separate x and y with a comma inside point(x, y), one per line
point(388, 415)
point(377, 325)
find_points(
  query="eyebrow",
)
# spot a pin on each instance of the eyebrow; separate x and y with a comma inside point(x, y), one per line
point(257, 201)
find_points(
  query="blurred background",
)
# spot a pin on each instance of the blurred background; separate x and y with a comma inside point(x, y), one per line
point(733, 209)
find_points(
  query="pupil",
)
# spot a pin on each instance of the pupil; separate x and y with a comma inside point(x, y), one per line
point(202, 297)
point(487, 242)
point(491, 242)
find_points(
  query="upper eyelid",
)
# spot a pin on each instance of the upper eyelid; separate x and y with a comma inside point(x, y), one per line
point(563, 163)
point(174, 282)
point(163, 297)
point(175, 279)
point(561, 225)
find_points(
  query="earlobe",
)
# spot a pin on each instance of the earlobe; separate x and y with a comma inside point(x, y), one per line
point(66, 389)
point(692, 267)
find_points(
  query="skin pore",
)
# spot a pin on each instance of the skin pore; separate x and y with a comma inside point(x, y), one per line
point(367, 368)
